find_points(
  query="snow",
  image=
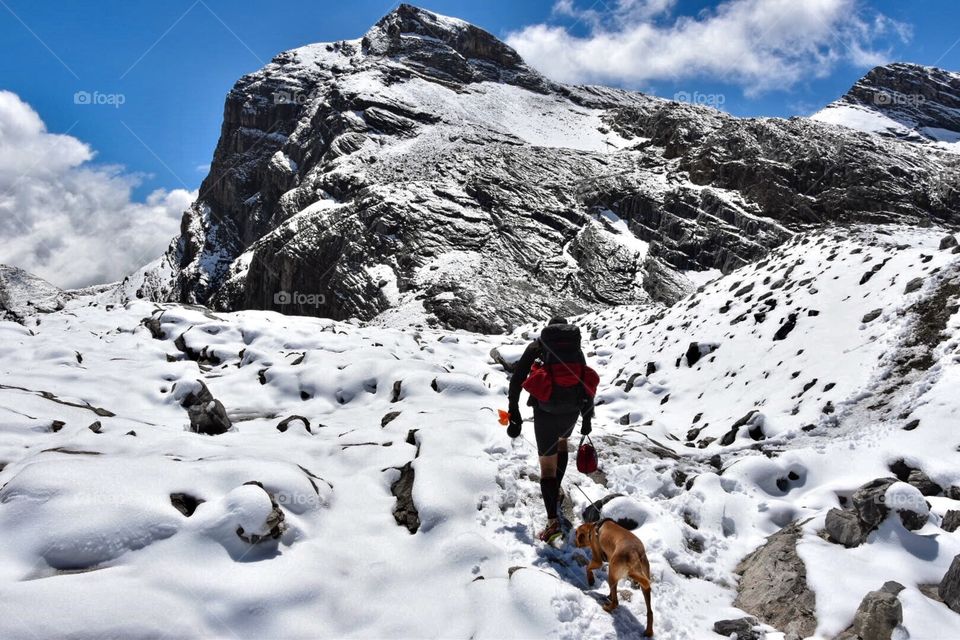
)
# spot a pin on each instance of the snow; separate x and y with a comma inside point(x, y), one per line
point(624, 235)
point(93, 544)
point(873, 121)
point(385, 276)
point(538, 119)
point(862, 119)
point(324, 54)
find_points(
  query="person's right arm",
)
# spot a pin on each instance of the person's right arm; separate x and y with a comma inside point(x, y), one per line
point(520, 373)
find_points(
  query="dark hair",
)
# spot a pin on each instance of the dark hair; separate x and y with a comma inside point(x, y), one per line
point(558, 320)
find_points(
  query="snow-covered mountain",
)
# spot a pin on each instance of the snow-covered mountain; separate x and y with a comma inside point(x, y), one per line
point(783, 440)
point(424, 174)
point(903, 101)
point(773, 306)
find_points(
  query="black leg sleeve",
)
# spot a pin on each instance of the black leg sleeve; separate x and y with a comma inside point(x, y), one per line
point(550, 489)
point(562, 456)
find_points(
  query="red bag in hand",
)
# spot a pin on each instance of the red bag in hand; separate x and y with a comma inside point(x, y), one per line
point(586, 456)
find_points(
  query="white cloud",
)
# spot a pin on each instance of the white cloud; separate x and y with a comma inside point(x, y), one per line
point(757, 44)
point(69, 221)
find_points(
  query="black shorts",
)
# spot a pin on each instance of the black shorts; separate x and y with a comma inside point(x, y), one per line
point(550, 428)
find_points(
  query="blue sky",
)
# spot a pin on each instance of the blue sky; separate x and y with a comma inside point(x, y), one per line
point(174, 89)
point(171, 63)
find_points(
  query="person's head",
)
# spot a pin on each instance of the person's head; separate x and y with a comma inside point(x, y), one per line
point(557, 320)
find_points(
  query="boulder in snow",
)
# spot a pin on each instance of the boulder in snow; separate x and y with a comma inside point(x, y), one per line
point(950, 586)
point(843, 527)
point(207, 414)
point(951, 521)
point(879, 614)
point(908, 503)
point(740, 628)
point(869, 502)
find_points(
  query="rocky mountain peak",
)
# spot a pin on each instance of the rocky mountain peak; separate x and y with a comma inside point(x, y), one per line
point(447, 45)
point(423, 175)
point(903, 100)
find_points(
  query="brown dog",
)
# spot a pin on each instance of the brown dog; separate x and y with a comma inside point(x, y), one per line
point(609, 542)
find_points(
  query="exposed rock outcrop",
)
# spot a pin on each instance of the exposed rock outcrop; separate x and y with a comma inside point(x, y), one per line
point(773, 585)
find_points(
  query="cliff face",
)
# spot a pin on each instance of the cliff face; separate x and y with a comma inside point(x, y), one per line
point(425, 174)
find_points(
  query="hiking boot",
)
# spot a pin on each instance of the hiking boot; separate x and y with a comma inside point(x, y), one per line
point(552, 532)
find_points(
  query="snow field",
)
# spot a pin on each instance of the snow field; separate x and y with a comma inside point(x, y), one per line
point(92, 528)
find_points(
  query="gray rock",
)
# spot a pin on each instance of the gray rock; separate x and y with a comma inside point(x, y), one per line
point(405, 512)
point(913, 285)
point(922, 481)
point(388, 418)
point(951, 521)
point(871, 316)
point(948, 242)
point(912, 519)
point(892, 586)
point(287, 422)
point(950, 586)
point(209, 418)
point(879, 613)
point(843, 527)
point(742, 627)
point(868, 502)
point(752, 418)
point(698, 350)
point(591, 513)
point(497, 357)
point(185, 503)
point(207, 414)
point(773, 585)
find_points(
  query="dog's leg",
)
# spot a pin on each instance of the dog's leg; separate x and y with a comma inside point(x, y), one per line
point(644, 583)
point(593, 566)
point(613, 578)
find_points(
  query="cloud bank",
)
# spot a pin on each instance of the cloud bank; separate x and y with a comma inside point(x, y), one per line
point(757, 44)
point(66, 220)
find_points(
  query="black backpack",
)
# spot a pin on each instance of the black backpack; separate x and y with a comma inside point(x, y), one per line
point(559, 345)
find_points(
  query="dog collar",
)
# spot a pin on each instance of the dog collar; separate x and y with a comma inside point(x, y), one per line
point(596, 533)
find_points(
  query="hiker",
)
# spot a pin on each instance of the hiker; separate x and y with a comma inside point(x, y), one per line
point(553, 369)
